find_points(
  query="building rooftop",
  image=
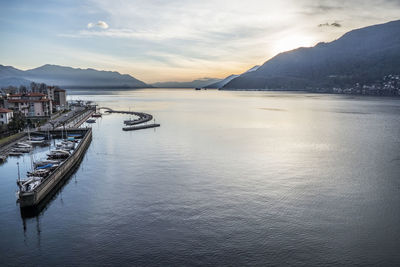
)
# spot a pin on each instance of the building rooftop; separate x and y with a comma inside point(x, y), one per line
point(28, 94)
point(4, 110)
point(27, 100)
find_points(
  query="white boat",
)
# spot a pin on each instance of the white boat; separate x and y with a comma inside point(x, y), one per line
point(39, 173)
point(36, 141)
point(66, 145)
point(21, 149)
point(45, 162)
point(23, 145)
point(29, 184)
point(59, 154)
point(37, 138)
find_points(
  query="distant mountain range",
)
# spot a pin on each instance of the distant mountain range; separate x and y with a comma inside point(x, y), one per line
point(192, 84)
point(223, 82)
point(68, 77)
point(360, 56)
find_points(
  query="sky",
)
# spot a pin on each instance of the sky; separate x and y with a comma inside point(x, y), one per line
point(174, 40)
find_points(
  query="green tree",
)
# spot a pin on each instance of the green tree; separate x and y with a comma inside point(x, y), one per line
point(18, 122)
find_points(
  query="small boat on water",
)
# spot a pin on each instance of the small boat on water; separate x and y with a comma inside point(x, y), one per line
point(39, 173)
point(23, 145)
point(37, 139)
point(96, 115)
point(45, 162)
point(91, 121)
point(66, 145)
point(21, 150)
point(59, 154)
point(15, 154)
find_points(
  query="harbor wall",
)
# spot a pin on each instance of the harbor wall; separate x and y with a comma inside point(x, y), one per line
point(33, 198)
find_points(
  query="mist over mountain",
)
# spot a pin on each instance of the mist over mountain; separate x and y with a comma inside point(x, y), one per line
point(68, 77)
point(192, 84)
point(359, 56)
point(13, 81)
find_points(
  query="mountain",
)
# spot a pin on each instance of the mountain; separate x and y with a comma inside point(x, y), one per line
point(71, 77)
point(359, 56)
point(193, 84)
point(222, 83)
point(13, 81)
point(8, 71)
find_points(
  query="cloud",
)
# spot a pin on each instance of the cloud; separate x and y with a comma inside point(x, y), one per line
point(100, 24)
point(334, 24)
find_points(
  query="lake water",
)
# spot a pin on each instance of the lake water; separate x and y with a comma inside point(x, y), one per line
point(230, 178)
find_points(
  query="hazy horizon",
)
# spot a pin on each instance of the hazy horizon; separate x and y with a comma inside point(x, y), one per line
point(175, 41)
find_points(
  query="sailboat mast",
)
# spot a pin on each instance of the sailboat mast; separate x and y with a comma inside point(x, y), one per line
point(19, 177)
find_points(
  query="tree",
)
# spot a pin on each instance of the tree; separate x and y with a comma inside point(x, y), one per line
point(18, 122)
point(23, 89)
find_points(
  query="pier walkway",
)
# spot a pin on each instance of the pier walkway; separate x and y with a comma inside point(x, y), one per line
point(143, 117)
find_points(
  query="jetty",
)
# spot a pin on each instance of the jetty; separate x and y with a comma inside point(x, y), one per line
point(139, 127)
point(32, 198)
point(142, 118)
point(74, 121)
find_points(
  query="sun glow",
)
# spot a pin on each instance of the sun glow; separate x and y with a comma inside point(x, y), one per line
point(290, 42)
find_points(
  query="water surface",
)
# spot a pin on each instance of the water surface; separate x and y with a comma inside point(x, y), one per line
point(230, 178)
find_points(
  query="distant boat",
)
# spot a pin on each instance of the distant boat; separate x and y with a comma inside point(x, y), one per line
point(15, 154)
point(96, 115)
point(91, 121)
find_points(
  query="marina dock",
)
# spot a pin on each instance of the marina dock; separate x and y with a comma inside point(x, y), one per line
point(33, 197)
point(45, 180)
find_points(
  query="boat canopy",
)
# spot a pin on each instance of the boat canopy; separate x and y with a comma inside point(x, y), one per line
point(74, 135)
point(45, 166)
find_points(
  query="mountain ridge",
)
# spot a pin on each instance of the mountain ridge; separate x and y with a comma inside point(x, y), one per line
point(68, 77)
point(361, 55)
point(222, 83)
point(202, 82)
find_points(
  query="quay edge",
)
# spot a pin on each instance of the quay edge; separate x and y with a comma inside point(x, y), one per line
point(32, 199)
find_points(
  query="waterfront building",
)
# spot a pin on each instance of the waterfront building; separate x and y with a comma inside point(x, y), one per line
point(30, 104)
point(60, 99)
point(5, 116)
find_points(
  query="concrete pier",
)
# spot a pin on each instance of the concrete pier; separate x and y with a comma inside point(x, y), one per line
point(33, 198)
point(139, 127)
point(143, 117)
